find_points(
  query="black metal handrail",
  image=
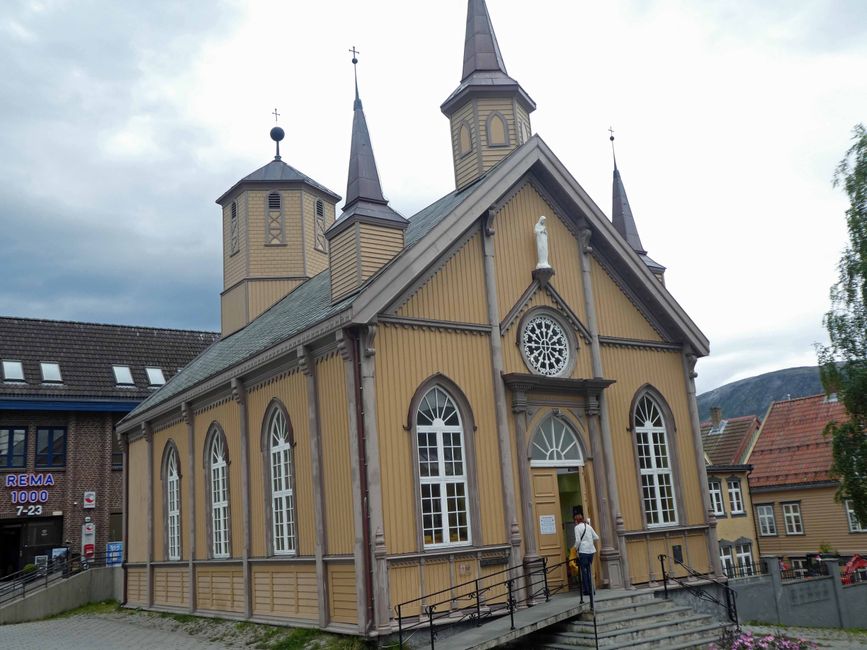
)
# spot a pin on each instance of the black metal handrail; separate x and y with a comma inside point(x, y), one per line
point(19, 584)
point(730, 603)
point(742, 570)
point(481, 598)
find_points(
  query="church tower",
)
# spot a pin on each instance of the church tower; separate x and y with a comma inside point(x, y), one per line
point(489, 111)
point(274, 223)
point(368, 233)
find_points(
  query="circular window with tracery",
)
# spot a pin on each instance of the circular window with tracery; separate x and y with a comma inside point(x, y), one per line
point(546, 346)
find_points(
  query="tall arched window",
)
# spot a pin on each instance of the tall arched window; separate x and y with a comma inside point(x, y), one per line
point(498, 132)
point(173, 504)
point(218, 471)
point(654, 462)
point(442, 470)
point(282, 483)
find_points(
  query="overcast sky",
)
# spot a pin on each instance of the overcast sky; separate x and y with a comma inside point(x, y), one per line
point(123, 121)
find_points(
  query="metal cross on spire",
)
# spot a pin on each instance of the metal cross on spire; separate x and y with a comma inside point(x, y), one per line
point(275, 114)
point(611, 137)
point(355, 54)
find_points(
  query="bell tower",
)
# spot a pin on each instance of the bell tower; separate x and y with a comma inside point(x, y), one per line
point(489, 111)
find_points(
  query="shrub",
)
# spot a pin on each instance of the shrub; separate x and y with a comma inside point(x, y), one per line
point(734, 640)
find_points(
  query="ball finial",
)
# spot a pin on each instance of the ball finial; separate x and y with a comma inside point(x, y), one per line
point(277, 134)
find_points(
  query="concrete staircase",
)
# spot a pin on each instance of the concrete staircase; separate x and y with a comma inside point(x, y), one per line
point(634, 621)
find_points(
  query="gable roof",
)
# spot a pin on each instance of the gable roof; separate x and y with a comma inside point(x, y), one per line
point(790, 449)
point(86, 353)
point(728, 447)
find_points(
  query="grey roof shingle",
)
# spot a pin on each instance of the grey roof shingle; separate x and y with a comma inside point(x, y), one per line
point(86, 353)
point(277, 171)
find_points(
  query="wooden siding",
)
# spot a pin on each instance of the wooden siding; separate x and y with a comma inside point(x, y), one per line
point(220, 588)
point(643, 553)
point(136, 586)
point(343, 602)
point(466, 166)
point(264, 293)
point(234, 266)
point(178, 434)
point(171, 587)
point(336, 464)
point(275, 260)
point(345, 273)
point(291, 390)
point(515, 251)
point(456, 292)
point(662, 369)
point(733, 527)
point(615, 314)
point(513, 360)
point(378, 245)
point(233, 309)
point(823, 519)
point(485, 107)
point(405, 358)
point(285, 590)
point(138, 504)
point(227, 415)
point(317, 260)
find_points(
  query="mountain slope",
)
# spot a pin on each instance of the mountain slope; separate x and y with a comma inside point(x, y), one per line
point(753, 395)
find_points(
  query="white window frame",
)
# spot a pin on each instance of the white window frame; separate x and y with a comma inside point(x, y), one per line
point(283, 525)
point(13, 370)
point(218, 468)
point(792, 517)
point(173, 506)
point(744, 558)
point(714, 488)
point(727, 558)
point(855, 526)
point(767, 520)
point(155, 374)
point(654, 467)
point(736, 496)
point(120, 375)
point(50, 372)
point(442, 404)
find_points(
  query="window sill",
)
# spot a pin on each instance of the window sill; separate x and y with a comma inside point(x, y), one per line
point(280, 245)
point(739, 514)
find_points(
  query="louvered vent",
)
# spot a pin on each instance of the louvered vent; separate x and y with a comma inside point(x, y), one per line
point(274, 201)
point(319, 209)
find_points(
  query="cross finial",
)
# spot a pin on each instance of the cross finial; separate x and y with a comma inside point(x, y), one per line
point(275, 114)
point(611, 137)
point(355, 54)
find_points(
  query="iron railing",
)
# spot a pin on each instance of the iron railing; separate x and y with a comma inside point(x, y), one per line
point(19, 584)
point(729, 601)
point(742, 570)
point(494, 595)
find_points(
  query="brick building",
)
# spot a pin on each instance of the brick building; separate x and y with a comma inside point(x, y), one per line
point(64, 387)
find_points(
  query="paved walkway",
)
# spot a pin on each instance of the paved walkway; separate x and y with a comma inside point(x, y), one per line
point(97, 633)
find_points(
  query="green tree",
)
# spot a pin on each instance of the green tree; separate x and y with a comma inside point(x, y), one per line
point(844, 362)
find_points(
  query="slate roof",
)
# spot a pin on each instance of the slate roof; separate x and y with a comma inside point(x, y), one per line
point(791, 449)
point(307, 305)
point(86, 353)
point(274, 172)
point(728, 447)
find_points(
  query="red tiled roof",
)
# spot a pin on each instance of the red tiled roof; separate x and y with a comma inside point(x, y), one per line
point(727, 448)
point(791, 449)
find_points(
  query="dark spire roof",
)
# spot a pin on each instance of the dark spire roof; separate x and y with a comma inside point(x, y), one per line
point(484, 69)
point(363, 190)
point(624, 222)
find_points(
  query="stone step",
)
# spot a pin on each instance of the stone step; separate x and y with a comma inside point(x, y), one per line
point(633, 634)
point(697, 637)
point(700, 642)
point(618, 619)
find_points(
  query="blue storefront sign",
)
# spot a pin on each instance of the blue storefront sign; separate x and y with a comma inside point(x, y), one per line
point(114, 554)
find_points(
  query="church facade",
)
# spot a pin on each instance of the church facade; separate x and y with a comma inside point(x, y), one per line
point(398, 406)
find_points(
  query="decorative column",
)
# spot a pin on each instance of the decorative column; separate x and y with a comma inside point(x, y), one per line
point(608, 550)
point(148, 435)
point(689, 361)
point(519, 408)
point(613, 558)
point(239, 394)
point(500, 409)
point(381, 601)
point(187, 415)
point(347, 353)
point(308, 366)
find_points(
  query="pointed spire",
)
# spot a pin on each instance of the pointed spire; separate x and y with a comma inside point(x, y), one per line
point(363, 180)
point(481, 51)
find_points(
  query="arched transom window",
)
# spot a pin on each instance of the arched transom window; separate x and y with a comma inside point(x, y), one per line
point(282, 484)
point(219, 497)
point(173, 505)
point(555, 445)
point(657, 489)
point(442, 470)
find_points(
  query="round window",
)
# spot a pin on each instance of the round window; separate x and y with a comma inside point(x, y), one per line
point(545, 345)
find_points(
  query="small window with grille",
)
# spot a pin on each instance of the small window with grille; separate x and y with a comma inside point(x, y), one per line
point(320, 242)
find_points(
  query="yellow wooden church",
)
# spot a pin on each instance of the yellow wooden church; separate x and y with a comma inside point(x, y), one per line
point(398, 405)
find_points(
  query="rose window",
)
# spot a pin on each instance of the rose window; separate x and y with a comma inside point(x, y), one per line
point(545, 345)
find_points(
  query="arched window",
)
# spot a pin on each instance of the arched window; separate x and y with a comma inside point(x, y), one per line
point(442, 470)
point(555, 444)
point(218, 474)
point(654, 462)
point(498, 134)
point(465, 139)
point(282, 483)
point(172, 501)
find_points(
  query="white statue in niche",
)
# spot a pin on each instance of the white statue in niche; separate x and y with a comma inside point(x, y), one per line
point(541, 244)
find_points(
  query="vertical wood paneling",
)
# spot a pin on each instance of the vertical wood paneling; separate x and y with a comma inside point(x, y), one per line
point(405, 357)
point(343, 603)
point(285, 590)
point(138, 510)
point(403, 585)
point(454, 292)
point(264, 293)
point(615, 315)
point(466, 166)
point(336, 470)
point(232, 309)
point(437, 576)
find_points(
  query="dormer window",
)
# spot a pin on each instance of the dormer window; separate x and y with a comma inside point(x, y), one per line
point(13, 371)
point(51, 372)
point(155, 377)
point(123, 376)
